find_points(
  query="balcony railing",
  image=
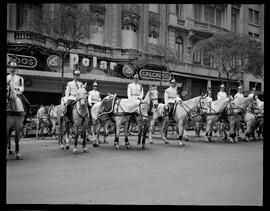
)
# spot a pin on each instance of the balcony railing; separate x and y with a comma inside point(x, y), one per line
point(180, 21)
point(209, 26)
point(26, 35)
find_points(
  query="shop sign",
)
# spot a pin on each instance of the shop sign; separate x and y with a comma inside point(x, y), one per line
point(23, 60)
point(54, 62)
point(128, 70)
point(103, 65)
point(154, 75)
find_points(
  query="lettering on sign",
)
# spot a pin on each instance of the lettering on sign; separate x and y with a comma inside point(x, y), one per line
point(23, 60)
point(154, 75)
point(103, 65)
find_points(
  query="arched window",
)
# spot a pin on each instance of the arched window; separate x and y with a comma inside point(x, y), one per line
point(179, 48)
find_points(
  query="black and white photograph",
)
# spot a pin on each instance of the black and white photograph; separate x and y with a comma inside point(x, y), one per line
point(134, 104)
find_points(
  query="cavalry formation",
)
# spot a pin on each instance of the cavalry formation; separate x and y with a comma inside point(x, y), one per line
point(85, 115)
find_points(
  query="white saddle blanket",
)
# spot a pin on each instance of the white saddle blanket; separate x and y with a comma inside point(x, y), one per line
point(129, 105)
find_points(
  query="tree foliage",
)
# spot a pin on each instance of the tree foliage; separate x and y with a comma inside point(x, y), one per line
point(234, 53)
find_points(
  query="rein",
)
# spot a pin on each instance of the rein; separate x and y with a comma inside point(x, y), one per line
point(82, 117)
point(182, 104)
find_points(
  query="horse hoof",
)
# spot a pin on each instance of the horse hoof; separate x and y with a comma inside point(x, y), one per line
point(11, 153)
point(85, 149)
point(95, 145)
point(143, 146)
point(61, 147)
point(128, 146)
point(166, 142)
point(75, 151)
point(139, 146)
point(117, 147)
point(19, 157)
point(181, 144)
point(186, 139)
point(151, 142)
point(67, 147)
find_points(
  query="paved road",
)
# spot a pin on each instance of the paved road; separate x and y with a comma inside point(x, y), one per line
point(197, 174)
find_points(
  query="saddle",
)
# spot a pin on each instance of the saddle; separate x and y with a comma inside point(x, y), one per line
point(107, 104)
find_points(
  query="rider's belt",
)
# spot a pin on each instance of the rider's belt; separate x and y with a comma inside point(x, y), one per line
point(171, 97)
point(135, 94)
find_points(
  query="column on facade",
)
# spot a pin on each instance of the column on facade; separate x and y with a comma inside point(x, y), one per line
point(143, 27)
point(12, 13)
point(116, 25)
point(108, 23)
point(163, 24)
point(188, 10)
point(229, 16)
point(241, 19)
point(171, 39)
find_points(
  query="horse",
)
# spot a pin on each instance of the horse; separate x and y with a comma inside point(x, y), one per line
point(184, 111)
point(213, 114)
point(15, 117)
point(235, 109)
point(254, 112)
point(79, 121)
point(121, 114)
point(160, 113)
point(48, 115)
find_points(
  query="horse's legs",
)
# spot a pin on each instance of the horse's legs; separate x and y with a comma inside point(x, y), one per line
point(151, 129)
point(126, 125)
point(232, 122)
point(145, 129)
point(208, 131)
point(106, 132)
point(96, 130)
point(181, 131)
point(17, 139)
point(163, 129)
point(83, 136)
point(37, 131)
point(117, 132)
point(76, 131)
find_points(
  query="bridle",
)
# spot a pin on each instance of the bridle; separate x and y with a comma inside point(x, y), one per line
point(150, 105)
point(189, 110)
point(76, 109)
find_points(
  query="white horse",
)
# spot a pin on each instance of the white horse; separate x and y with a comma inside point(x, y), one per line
point(184, 111)
point(15, 118)
point(234, 111)
point(213, 114)
point(254, 111)
point(121, 113)
point(48, 115)
point(80, 118)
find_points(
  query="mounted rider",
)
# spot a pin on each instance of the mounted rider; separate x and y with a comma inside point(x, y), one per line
point(135, 89)
point(221, 94)
point(94, 96)
point(253, 92)
point(171, 96)
point(239, 95)
point(71, 92)
point(208, 101)
point(16, 83)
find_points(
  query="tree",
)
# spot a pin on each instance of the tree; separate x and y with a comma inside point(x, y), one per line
point(233, 53)
point(67, 25)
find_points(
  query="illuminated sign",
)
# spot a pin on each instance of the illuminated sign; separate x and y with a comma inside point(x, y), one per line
point(23, 61)
point(154, 75)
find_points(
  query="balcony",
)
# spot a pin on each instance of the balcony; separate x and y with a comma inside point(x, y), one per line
point(27, 35)
point(209, 26)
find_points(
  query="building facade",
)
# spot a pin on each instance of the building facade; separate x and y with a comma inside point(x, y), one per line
point(123, 30)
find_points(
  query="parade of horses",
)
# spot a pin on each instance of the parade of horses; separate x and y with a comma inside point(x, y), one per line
point(81, 115)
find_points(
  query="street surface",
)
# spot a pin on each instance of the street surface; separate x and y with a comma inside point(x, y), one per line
point(199, 173)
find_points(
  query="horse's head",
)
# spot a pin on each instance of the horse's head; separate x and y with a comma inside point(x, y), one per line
point(82, 96)
point(153, 95)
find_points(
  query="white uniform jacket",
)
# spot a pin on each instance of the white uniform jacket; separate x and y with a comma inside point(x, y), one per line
point(135, 91)
point(221, 95)
point(238, 96)
point(72, 89)
point(16, 82)
point(94, 97)
point(170, 95)
point(251, 95)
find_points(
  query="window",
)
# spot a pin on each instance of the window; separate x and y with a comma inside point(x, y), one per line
point(129, 37)
point(179, 11)
point(255, 84)
point(256, 17)
point(250, 34)
point(218, 17)
point(206, 60)
point(197, 57)
point(253, 16)
point(22, 15)
point(250, 15)
point(198, 12)
point(257, 36)
point(235, 19)
point(209, 14)
point(153, 8)
point(179, 48)
point(153, 38)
